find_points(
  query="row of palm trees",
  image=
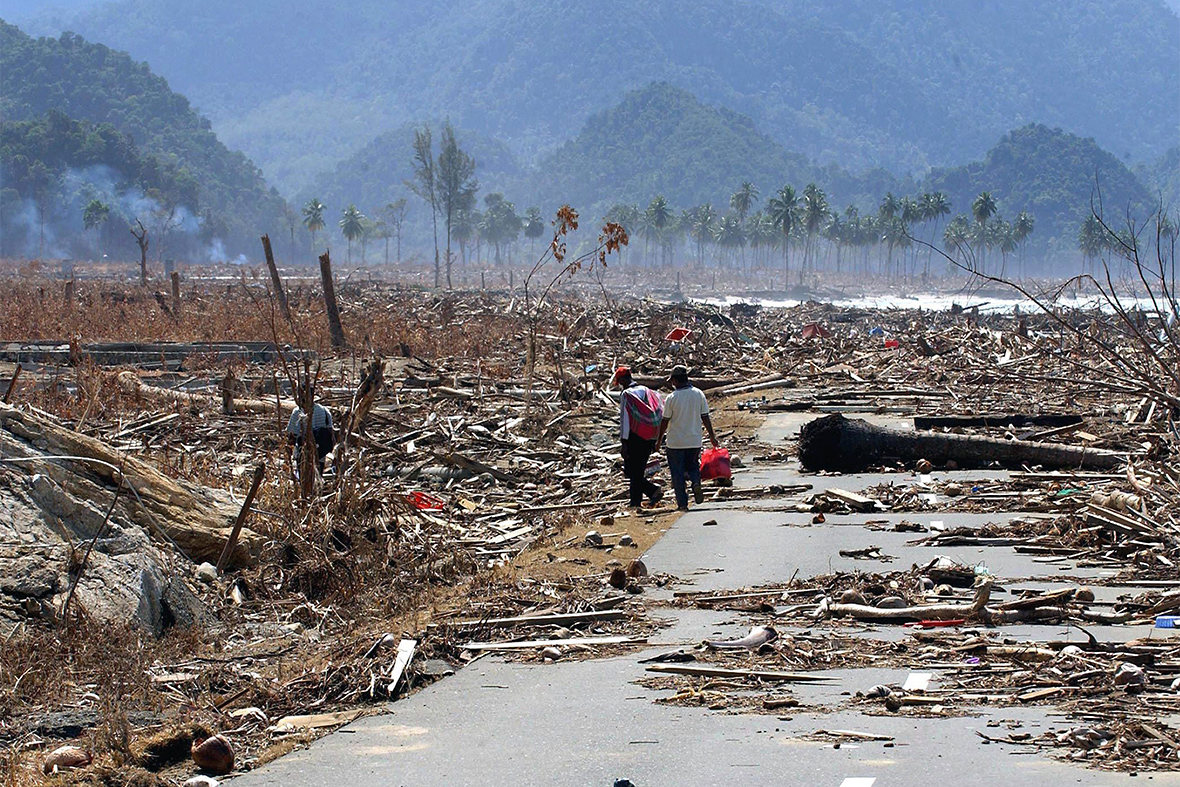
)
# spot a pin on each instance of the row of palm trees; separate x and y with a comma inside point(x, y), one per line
point(804, 228)
point(790, 222)
point(356, 227)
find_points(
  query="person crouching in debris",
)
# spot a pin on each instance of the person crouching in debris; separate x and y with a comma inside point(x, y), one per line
point(321, 431)
point(639, 424)
point(685, 410)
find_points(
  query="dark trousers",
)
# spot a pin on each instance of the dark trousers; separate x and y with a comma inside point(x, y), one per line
point(684, 462)
point(325, 441)
point(636, 452)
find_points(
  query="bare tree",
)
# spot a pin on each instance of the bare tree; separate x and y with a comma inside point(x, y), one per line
point(141, 239)
point(555, 266)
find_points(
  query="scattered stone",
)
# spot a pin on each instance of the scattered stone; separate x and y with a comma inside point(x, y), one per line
point(618, 579)
point(202, 781)
point(207, 573)
point(636, 568)
point(852, 597)
point(626, 541)
point(593, 538)
point(214, 754)
point(892, 602)
point(65, 758)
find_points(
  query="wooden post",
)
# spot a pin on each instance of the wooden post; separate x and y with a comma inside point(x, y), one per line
point(12, 384)
point(280, 293)
point(241, 520)
point(176, 293)
point(333, 310)
point(70, 292)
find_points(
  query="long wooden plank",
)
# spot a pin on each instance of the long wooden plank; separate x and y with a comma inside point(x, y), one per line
point(718, 672)
point(555, 643)
point(569, 619)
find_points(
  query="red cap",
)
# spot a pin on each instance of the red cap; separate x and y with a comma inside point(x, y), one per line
point(622, 371)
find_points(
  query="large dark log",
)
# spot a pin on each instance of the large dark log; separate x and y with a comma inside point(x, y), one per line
point(850, 445)
point(330, 306)
point(998, 421)
point(276, 281)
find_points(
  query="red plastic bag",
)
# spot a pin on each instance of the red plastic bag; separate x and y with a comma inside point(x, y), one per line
point(424, 501)
point(715, 464)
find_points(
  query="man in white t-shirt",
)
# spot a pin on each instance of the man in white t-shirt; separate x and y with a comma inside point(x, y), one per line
point(685, 412)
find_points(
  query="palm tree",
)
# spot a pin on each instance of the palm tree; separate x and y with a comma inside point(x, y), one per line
point(743, 200)
point(762, 234)
point(1021, 229)
point(815, 215)
point(352, 225)
point(730, 234)
point(313, 219)
point(626, 216)
point(656, 218)
point(701, 224)
point(957, 236)
point(935, 205)
point(534, 227)
point(983, 208)
point(784, 212)
point(1092, 240)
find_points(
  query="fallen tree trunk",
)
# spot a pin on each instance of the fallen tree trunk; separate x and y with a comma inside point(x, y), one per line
point(998, 421)
point(850, 445)
point(129, 381)
point(198, 520)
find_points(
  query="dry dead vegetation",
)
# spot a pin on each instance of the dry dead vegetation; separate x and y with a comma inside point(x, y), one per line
point(460, 497)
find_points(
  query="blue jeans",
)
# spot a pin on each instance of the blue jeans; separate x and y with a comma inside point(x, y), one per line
point(684, 462)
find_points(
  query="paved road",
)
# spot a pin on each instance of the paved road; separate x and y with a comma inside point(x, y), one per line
point(585, 724)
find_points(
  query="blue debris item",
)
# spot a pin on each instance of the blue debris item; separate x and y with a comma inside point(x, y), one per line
point(1167, 621)
point(878, 331)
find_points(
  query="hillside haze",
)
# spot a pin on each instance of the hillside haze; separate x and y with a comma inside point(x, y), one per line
point(902, 84)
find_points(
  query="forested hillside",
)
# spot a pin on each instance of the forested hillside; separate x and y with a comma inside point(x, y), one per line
point(53, 169)
point(662, 140)
point(92, 83)
point(1054, 176)
point(896, 83)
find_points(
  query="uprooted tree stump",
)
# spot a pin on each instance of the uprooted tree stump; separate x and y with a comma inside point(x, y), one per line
point(195, 519)
point(851, 445)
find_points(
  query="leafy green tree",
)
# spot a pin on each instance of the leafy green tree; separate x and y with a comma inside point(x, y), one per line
point(352, 226)
point(313, 219)
point(95, 214)
point(456, 183)
point(783, 210)
point(743, 200)
point(425, 185)
point(500, 224)
point(465, 230)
